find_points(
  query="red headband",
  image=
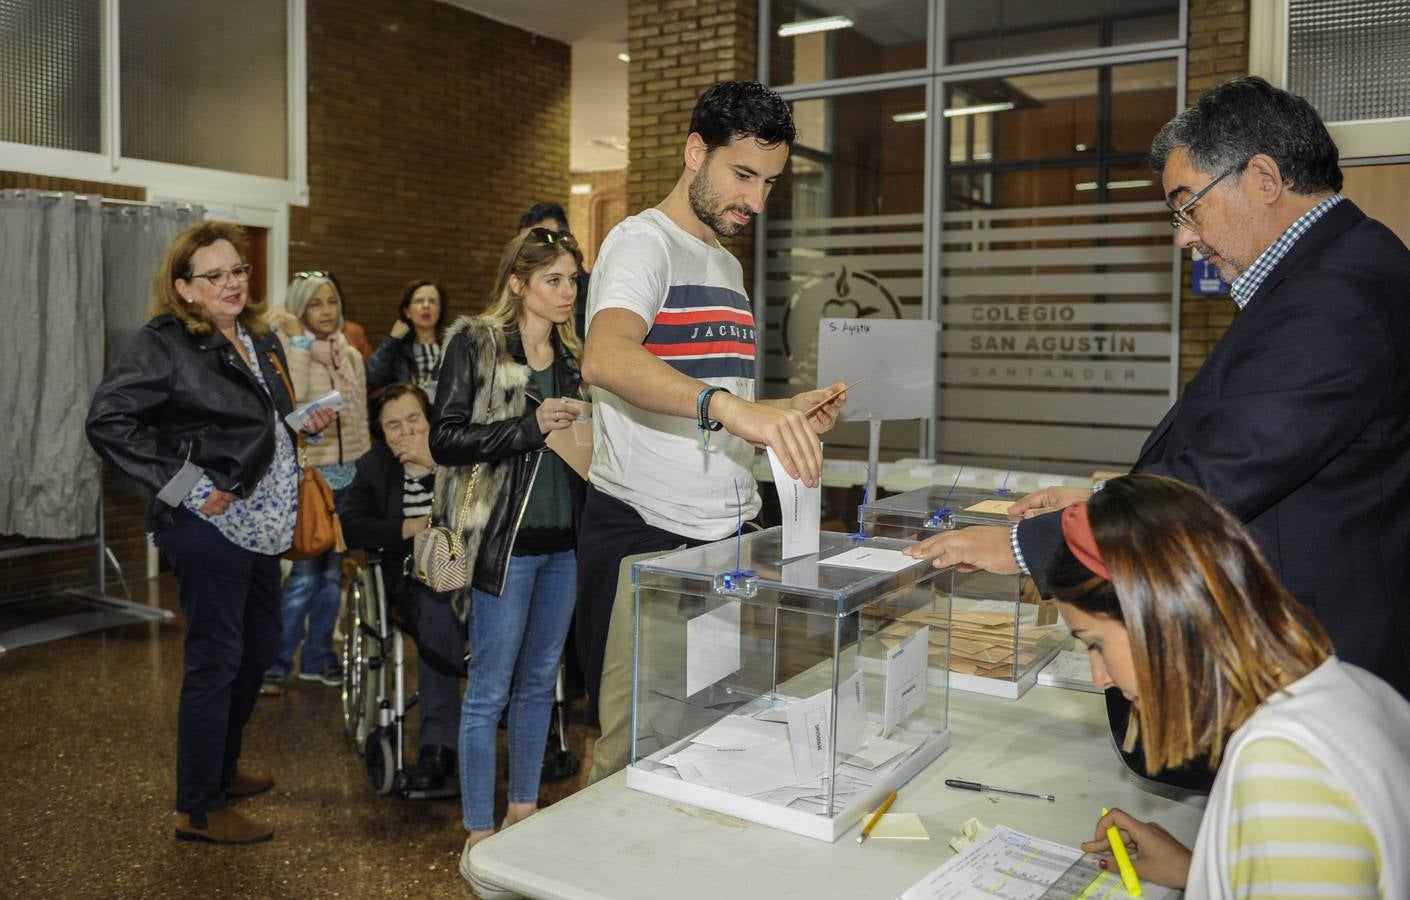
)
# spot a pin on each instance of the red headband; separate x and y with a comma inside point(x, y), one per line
point(1077, 531)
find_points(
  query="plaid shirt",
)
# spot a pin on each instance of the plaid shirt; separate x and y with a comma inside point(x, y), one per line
point(1248, 282)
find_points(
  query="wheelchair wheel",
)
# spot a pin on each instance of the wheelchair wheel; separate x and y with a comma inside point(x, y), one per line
point(355, 646)
point(381, 763)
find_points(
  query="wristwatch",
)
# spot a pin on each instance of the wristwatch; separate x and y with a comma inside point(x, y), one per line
point(702, 409)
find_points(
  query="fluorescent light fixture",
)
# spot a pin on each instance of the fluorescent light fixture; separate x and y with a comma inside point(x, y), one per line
point(1115, 185)
point(809, 26)
point(917, 116)
point(581, 189)
point(624, 56)
point(952, 111)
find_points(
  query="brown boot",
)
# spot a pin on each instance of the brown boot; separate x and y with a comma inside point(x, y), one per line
point(246, 784)
point(221, 826)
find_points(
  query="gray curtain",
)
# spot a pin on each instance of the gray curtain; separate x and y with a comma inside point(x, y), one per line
point(52, 336)
point(135, 239)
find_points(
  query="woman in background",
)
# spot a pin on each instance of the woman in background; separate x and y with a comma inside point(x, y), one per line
point(388, 504)
point(508, 380)
point(195, 410)
point(411, 353)
point(320, 360)
point(1180, 612)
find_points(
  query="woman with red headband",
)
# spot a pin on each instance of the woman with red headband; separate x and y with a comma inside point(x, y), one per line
point(1180, 612)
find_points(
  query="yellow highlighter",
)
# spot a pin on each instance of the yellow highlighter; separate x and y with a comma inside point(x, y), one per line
point(1123, 860)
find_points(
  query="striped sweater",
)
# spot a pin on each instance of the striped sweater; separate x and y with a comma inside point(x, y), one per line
point(1313, 796)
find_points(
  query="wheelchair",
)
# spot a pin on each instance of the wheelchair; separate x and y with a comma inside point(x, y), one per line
point(374, 699)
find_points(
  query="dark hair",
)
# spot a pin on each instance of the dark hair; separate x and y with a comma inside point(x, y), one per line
point(738, 109)
point(1213, 634)
point(386, 395)
point(540, 211)
point(415, 286)
point(1234, 121)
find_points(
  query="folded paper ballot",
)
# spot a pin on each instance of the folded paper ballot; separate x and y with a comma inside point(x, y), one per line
point(299, 417)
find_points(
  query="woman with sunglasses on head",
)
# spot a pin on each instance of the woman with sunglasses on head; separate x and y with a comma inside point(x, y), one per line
point(320, 360)
point(195, 411)
point(1180, 612)
point(411, 353)
point(509, 379)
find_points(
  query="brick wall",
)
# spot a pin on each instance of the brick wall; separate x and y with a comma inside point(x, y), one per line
point(431, 130)
point(592, 215)
point(678, 49)
point(1218, 51)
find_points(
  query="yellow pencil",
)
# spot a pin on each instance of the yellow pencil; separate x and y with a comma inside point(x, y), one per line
point(876, 817)
point(817, 406)
point(1123, 860)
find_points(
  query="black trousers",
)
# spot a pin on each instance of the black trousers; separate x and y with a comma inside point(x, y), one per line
point(231, 599)
point(609, 531)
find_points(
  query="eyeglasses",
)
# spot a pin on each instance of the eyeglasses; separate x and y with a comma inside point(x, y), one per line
point(313, 274)
point(221, 277)
point(1182, 217)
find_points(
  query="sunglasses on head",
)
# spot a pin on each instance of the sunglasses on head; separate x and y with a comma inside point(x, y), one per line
point(313, 274)
point(549, 236)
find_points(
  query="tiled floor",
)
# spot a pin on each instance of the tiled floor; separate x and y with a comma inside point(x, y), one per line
point(87, 750)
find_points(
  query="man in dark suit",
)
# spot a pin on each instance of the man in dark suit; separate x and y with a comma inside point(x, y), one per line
point(1299, 420)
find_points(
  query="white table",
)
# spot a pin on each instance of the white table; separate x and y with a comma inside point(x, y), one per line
point(609, 841)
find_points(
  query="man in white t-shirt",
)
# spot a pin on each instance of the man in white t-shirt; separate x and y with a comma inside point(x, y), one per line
point(670, 358)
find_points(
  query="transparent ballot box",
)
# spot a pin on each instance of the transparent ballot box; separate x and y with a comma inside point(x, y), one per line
point(1001, 632)
point(795, 694)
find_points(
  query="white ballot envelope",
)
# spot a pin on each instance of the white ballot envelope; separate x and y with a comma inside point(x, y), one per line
point(800, 507)
point(300, 416)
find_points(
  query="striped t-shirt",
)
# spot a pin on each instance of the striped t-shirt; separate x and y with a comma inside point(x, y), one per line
point(1294, 831)
point(416, 494)
point(691, 296)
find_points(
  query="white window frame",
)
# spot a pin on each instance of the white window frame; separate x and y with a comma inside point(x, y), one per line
point(1362, 141)
point(191, 183)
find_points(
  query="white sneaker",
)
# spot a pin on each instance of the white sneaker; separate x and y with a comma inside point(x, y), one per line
point(482, 889)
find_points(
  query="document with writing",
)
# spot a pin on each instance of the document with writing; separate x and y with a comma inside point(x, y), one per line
point(800, 509)
point(905, 678)
point(1012, 865)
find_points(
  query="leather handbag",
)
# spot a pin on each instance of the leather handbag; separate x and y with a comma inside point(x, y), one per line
point(317, 528)
point(442, 561)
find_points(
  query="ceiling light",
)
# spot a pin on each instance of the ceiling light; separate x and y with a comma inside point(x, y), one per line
point(610, 143)
point(624, 56)
point(1081, 148)
point(581, 189)
point(808, 26)
point(1115, 185)
point(917, 116)
point(952, 111)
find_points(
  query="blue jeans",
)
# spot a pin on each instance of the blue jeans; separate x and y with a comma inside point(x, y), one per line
point(314, 592)
point(514, 639)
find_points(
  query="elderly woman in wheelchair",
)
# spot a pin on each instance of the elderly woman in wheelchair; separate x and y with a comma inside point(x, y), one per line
point(388, 503)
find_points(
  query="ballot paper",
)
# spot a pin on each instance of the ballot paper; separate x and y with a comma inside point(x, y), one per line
point(711, 647)
point(905, 678)
point(573, 445)
point(1069, 669)
point(809, 732)
point(300, 417)
point(876, 559)
point(996, 507)
point(800, 510)
point(1016, 866)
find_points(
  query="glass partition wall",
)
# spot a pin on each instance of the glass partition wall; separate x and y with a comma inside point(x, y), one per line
point(982, 166)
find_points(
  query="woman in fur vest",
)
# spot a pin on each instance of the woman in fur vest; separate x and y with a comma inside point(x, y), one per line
point(509, 378)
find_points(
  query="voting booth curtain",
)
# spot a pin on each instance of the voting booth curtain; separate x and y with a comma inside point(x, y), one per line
point(75, 286)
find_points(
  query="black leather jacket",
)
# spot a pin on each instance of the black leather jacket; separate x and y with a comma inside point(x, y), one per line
point(175, 401)
point(458, 441)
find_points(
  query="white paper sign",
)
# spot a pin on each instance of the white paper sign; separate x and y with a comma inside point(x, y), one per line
point(895, 356)
point(711, 647)
point(800, 509)
point(876, 559)
point(809, 732)
point(905, 678)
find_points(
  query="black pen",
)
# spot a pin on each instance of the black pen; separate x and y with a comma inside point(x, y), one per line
point(989, 788)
